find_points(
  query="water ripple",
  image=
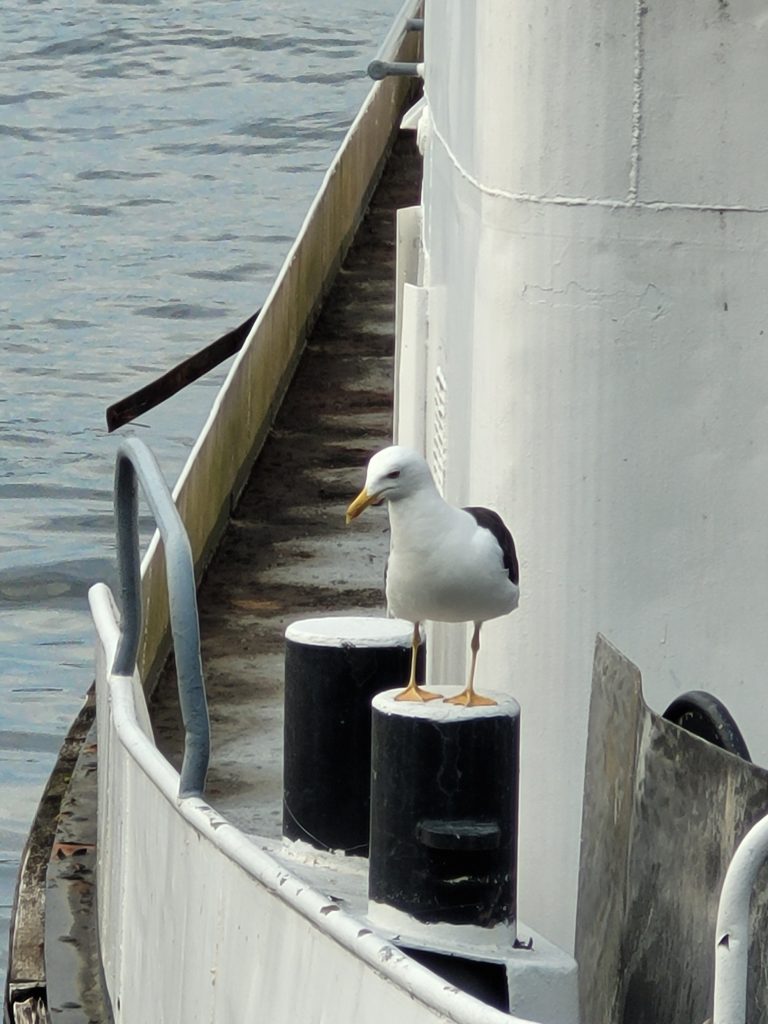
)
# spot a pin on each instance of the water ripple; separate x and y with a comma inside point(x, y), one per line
point(179, 311)
point(93, 45)
point(7, 99)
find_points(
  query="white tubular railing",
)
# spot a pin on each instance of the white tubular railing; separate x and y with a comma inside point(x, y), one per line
point(137, 465)
point(732, 942)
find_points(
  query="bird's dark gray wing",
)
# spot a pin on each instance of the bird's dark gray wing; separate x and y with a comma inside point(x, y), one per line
point(492, 521)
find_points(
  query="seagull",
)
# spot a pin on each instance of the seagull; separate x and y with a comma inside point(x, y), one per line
point(446, 564)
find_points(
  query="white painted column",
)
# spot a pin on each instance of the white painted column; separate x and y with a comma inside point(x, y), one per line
point(596, 256)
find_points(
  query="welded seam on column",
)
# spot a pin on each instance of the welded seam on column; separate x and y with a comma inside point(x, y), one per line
point(608, 204)
point(637, 102)
point(500, 193)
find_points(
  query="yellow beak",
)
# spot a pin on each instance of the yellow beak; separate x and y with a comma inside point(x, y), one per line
point(360, 504)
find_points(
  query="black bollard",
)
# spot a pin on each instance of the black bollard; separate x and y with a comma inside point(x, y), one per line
point(444, 795)
point(333, 668)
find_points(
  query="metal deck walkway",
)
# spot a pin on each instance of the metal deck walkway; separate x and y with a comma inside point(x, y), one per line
point(287, 553)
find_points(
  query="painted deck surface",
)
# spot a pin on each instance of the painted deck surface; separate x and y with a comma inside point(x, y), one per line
point(287, 553)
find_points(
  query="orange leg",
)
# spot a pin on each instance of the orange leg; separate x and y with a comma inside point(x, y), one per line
point(412, 691)
point(468, 698)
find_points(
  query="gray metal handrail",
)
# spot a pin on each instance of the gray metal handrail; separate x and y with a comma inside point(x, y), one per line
point(382, 65)
point(136, 464)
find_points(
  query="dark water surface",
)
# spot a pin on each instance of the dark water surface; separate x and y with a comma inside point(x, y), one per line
point(157, 160)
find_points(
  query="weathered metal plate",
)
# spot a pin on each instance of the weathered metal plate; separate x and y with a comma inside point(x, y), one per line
point(74, 984)
point(663, 814)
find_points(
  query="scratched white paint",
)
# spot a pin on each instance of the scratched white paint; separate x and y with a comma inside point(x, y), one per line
point(358, 631)
point(438, 711)
point(595, 255)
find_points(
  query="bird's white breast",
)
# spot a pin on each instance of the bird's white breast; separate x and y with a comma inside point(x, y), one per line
point(443, 566)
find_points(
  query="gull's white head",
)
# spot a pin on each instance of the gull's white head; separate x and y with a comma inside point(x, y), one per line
point(393, 474)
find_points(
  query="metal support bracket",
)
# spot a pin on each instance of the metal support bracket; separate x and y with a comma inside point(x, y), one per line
point(382, 66)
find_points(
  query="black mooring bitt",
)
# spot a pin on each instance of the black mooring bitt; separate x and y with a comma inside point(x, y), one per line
point(333, 669)
point(444, 798)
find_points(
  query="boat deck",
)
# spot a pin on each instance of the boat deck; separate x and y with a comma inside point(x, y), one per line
point(287, 554)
